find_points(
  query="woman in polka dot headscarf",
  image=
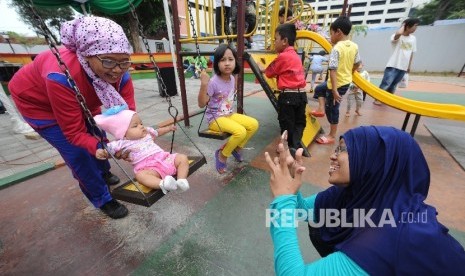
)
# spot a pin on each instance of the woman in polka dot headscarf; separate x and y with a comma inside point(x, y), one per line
point(97, 54)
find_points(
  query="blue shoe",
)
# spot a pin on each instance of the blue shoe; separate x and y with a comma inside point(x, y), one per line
point(220, 166)
point(237, 156)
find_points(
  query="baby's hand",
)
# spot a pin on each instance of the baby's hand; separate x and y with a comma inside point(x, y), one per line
point(123, 154)
point(171, 128)
point(101, 154)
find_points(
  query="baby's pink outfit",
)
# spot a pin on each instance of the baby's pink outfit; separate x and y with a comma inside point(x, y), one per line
point(145, 154)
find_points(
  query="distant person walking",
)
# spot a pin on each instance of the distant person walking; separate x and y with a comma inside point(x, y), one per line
point(404, 45)
point(355, 94)
point(222, 11)
point(316, 65)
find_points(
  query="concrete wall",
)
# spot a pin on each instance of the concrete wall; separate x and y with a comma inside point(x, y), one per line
point(439, 48)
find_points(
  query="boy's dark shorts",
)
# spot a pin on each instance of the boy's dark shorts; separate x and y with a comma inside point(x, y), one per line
point(331, 109)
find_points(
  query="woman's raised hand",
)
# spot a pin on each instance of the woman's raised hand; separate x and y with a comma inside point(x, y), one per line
point(286, 173)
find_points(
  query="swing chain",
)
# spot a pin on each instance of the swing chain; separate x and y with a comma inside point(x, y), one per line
point(194, 32)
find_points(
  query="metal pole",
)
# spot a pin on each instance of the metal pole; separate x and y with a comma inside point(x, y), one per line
point(182, 84)
point(240, 52)
point(170, 39)
point(8, 40)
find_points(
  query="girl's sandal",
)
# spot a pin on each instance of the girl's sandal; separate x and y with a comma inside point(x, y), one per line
point(237, 156)
point(220, 166)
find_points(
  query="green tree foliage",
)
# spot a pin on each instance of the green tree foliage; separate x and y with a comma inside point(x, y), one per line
point(53, 17)
point(440, 9)
point(152, 18)
point(150, 13)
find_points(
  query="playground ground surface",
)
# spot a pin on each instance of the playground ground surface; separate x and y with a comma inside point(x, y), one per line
point(218, 226)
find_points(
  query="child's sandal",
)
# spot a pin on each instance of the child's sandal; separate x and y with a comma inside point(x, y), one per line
point(220, 166)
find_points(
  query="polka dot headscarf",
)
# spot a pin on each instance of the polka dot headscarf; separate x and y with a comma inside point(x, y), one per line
point(89, 36)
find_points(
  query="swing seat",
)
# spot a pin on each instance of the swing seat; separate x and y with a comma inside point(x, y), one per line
point(211, 134)
point(128, 192)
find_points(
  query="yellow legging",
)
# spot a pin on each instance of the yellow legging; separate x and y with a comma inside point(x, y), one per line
point(241, 127)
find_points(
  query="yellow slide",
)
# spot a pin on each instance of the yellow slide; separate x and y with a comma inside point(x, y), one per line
point(435, 110)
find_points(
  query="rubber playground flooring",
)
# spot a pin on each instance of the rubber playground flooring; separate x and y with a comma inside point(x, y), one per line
point(217, 227)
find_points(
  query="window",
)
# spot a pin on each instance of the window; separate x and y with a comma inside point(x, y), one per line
point(390, 20)
point(397, 1)
point(160, 47)
point(396, 10)
point(377, 3)
point(357, 22)
point(363, 4)
point(375, 21)
point(322, 8)
point(335, 7)
point(357, 14)
point(375, 12)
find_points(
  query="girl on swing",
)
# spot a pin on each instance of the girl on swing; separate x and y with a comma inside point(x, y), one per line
point(154, 167)
point(218, 95)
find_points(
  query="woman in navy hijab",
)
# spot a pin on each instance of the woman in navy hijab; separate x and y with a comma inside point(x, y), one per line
point(380, 224)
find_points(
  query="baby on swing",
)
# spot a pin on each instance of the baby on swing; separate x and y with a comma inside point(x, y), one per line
point(153, 166)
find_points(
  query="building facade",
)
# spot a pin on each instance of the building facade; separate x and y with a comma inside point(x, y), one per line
point(374, 13)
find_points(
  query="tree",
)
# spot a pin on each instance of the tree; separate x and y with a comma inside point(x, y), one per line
point(150, 14)
point(440, 9)
point(152, 18)
point(53, 17)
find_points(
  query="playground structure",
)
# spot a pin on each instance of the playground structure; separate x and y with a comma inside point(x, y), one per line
point(265, 25)
point(51, 222)
point(200, 29)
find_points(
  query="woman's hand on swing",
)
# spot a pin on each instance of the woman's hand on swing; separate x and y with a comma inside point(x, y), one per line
point(101, 154)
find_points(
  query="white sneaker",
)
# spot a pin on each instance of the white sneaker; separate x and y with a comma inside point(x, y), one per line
point(21, 127)
point(168, 184)
point(183, 184)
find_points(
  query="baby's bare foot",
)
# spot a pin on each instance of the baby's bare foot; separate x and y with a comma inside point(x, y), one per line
point(358, 113)
point(347, 114)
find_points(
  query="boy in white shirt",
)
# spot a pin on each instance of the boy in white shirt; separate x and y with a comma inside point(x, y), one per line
point(404, 45)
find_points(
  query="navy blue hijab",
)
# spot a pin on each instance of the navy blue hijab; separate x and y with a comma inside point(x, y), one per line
point(389, 172)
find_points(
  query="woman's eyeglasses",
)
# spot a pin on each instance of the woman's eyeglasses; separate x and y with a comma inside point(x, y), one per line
point(110, 64)
point(340, 149)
